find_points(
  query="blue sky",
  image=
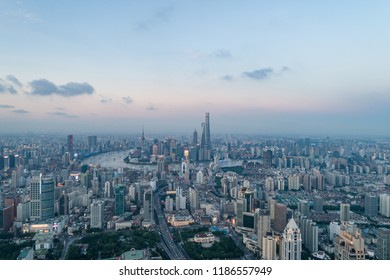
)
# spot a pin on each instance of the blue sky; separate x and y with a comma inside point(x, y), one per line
point(271, 67)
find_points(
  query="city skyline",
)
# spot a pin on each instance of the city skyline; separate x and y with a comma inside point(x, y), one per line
point(258, 67)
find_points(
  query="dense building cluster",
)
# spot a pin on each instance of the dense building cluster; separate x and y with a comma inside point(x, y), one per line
point(275, 197)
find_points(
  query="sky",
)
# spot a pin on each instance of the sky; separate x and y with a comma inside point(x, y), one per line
point(259, 67)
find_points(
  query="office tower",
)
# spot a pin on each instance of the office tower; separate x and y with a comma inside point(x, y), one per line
point(42, 198)
point(334, 230)
point(205, 143)
point(269, 244)
point(267, 159)
point(97, 214)
point(148, 206)
point(384, 205)
point(383, 244)
point(194, 198)
point(349, 244)
point(240, 212)
point(119, 199)
point(344, 212)
point(63, 204)
point(70, 146)
point(371, 205)
point(318, 204)
point(304, 207)
point(248, 201)
point(195, 138)
point(6, 218)
point(280, 219)
point(291, 246)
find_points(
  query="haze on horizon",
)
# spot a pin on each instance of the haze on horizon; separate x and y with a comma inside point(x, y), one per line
point(259, 67)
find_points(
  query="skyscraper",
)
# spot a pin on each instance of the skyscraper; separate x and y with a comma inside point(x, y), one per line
point(291, 242)
point(148, 206)
point(344, 212)
point(42, 198)
point(384, 244)
point(371, 205)
point(70, 146)
point(195, 138)
point(280, 219)
point(119, 199)
point(205, 143)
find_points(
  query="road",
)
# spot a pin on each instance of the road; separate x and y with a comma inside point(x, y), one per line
point(173, 250)
point(247, 254)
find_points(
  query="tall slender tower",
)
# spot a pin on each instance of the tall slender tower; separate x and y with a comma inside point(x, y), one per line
point(205, 143)
point(70, 146)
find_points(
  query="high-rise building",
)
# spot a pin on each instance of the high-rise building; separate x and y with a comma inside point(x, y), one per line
point(97, 214)
point(119, 199)
point(384, 205)
point(195, 138)
point(148, 206)
point(269, 244)
point(194, 198)
point(70, 146)
point(371, 205)
point(318, 204)
point(291, 242)
point(262, 225)
point(280, 219)
point(267, 159)
point(344, 212)
point(304, 207)
point(92, 143)
point(240, 212)
point(383, 244)
point(42, 198)
point(168, 204)
point(205, 143)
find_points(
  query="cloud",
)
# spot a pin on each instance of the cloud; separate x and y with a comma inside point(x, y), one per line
point(104, 99)
point(127, 99)
point(222, 53)
point(6, 88)
point(44, 87)
point(14, 80)
point(20, 111)
point(60, 108)
point(227, 78)
point(160, 15)
point(151, 108)
point(259, 74)
point(62, 114)
point(3, 106)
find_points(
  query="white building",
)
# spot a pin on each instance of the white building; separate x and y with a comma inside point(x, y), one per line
point(291, 246)
point(384, 205)
point(97, 215)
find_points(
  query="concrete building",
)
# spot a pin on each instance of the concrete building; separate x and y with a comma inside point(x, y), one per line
point(384, 205)
point(349, 244)
point(97, 215)
point(345, 214)
point(371, 205)
point(383, 244)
